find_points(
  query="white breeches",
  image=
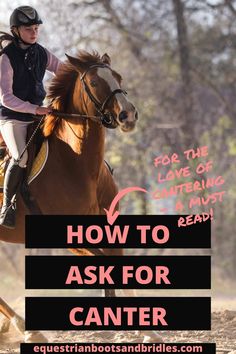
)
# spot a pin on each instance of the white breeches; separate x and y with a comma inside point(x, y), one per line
point(14, 133)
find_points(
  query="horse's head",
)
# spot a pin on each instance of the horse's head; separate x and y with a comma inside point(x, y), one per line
point(101, 93)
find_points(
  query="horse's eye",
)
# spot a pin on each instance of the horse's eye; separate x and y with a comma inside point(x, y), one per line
point(93, 83)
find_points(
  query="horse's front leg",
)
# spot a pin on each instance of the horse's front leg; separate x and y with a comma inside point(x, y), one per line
point(112, 252)
point(148, 336)
point(110, 293)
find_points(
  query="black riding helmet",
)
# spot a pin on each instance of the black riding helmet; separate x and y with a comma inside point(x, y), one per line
point(24, 16)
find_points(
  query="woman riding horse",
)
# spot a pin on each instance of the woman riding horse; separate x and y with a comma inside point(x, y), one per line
point(23, 64)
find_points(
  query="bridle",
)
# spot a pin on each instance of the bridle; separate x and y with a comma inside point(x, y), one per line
point(106, 118)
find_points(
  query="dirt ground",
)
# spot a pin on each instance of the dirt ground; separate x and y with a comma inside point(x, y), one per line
point(223, 333)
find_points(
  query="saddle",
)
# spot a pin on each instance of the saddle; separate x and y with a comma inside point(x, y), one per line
point(37, 157)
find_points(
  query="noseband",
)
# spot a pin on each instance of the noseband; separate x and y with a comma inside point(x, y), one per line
point(106, 118)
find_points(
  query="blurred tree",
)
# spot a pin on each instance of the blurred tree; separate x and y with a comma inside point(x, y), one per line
point(185, 68)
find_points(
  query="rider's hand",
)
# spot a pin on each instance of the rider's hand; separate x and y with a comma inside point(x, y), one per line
point(43, 110)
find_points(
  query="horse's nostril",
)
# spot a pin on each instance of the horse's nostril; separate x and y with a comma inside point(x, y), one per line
point(123, 115)
point(136, 115)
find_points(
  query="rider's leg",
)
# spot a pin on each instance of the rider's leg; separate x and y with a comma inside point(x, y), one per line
point(14, 134)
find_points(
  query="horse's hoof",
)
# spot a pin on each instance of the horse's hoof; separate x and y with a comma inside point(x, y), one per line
point(4, 325)
point(147, 339)
point(149, 336)
point(34, 337)
point(18, 323)
point(153, 339)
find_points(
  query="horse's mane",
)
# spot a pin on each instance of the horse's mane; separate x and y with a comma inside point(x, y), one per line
point(59, 88)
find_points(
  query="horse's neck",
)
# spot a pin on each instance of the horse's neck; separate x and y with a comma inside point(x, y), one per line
point(86, 139)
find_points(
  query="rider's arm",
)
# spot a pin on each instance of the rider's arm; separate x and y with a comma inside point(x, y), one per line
point(53, 63)
point(8, 99)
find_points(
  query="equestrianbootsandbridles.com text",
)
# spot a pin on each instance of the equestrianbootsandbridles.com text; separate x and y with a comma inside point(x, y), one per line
point(205, 348)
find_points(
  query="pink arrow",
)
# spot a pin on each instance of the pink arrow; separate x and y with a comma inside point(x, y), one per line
point(112, 214)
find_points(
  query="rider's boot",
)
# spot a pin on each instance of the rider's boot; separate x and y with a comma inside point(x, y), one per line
point(12, 182)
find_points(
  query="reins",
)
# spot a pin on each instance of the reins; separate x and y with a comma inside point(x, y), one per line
point(74, 115)
point(56, 114)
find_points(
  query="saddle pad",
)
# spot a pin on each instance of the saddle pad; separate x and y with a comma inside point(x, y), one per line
point(37, 167)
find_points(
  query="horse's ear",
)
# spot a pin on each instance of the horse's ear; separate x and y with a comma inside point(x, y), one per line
point(106, 59)
point(72, 60)
point(75, 62)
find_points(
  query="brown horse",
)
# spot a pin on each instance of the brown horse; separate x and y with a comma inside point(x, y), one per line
point(75, 179)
